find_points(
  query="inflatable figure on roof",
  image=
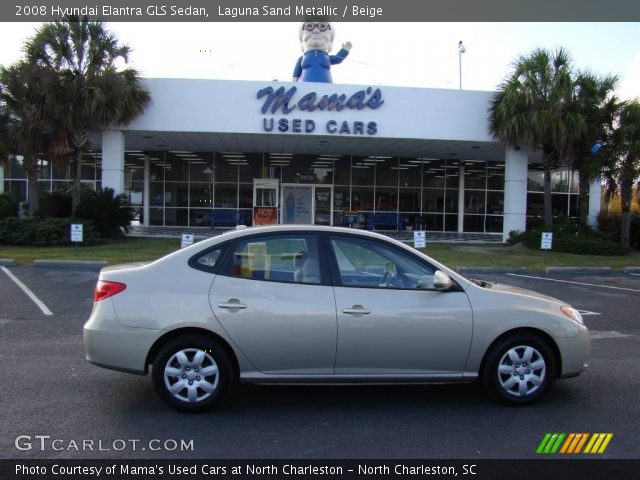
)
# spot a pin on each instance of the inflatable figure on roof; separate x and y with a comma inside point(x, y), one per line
point(316, 40)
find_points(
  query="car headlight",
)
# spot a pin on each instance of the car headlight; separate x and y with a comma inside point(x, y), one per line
point(572, 313)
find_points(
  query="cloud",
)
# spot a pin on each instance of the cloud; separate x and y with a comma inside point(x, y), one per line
point(630, 83)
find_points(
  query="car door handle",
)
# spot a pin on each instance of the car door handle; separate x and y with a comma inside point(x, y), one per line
point(232, 303)
point(356, 310)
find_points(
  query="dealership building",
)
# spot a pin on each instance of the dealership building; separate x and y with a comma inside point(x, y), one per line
point(211, 152)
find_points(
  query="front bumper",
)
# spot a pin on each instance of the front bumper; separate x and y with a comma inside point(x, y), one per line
point(575, 352)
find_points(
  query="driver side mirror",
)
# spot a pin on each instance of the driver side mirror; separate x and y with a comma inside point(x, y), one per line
point(441, 281)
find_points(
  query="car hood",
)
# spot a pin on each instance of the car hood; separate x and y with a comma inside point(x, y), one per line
point(501, 287)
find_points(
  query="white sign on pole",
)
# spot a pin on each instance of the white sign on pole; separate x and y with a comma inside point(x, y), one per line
point(187, 239)
point(547, 241)
point(76, 232)
point(419, 239)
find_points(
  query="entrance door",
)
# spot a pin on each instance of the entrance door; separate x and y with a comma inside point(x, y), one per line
point(322, 205)
point(306, 204)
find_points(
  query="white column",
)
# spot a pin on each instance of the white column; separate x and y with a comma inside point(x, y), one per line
point(113, 160)
point(146, 190)
point(1, 178)
point(595, 195)
point(461, 198)
point(515, 192)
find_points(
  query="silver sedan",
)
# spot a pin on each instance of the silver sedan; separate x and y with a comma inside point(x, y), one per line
point(324, 304)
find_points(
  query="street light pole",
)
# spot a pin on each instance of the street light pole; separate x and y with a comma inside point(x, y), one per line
point(461, 50)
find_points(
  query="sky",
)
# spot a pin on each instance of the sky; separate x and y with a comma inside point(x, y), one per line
point(421, 55)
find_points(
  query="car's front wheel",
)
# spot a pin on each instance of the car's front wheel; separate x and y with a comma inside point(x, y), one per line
point(192, 373)
point(519, 369)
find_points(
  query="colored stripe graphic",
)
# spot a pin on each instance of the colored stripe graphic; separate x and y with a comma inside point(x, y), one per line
point(574, 443)
point(550, 443)
point(598, 443)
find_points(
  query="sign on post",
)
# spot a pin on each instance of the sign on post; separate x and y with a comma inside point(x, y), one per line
point(419, 239)
point(547, 241)
point(187, 239)
point(76, 232)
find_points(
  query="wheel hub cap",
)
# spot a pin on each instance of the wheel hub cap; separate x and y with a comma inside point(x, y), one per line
point(521, 371)
point(191, 375)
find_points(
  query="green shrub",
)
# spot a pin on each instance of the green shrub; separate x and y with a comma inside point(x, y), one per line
point(55, 204)
point(8, 206)
point(569, 237)
point(609, 223)
point(110, 214)
point(43, 232)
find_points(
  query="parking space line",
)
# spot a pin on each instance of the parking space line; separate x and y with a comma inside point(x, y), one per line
point(575, 283)
point(28, 292)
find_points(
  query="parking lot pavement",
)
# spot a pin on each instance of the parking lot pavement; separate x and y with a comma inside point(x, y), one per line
point(49, 389)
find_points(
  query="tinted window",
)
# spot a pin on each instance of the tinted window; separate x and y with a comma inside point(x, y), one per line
point(279, 258)
point(208, 260)
point(365, 263)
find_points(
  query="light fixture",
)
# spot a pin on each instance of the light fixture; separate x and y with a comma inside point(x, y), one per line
point(461, 50)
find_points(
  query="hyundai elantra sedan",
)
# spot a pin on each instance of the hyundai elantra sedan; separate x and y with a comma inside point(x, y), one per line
point(328, 305)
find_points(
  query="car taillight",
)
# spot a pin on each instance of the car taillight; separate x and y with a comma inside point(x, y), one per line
point(106, 289)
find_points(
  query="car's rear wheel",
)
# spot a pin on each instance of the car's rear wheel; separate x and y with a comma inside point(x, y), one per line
point(192, 373)
point(519, 369)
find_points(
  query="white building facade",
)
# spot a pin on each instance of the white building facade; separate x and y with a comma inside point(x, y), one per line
point(208, 152)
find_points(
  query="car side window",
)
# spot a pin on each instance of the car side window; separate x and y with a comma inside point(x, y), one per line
point(368, 263)
point(208, 260)
point(279, 258)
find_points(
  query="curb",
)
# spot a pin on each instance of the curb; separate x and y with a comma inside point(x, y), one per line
point(71, 264)
point(463, 270)
point(578, 270)
point(7, 262)
point(626, 269)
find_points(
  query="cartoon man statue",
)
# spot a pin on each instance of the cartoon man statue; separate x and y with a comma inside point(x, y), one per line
point(316, 41)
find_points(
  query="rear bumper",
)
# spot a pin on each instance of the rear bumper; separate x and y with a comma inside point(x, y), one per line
point(110, 344)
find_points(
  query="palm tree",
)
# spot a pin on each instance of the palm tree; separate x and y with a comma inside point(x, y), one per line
point(622, 166)
point(594, 100)
point(21, 89)
point(533, 109)
point(94, 95)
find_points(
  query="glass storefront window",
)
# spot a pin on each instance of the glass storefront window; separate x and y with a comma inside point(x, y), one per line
point(386, 199)
point(386, 171)
point(535, 181)
point(342, 170)
point(251, 167)
point(226, 167)
point(409, 200)
point(201, 196)
point(14, 168)
point(362, 199)
point(226, 195)
point(176, 194)
point(176, 216)
point(474, 202)
point(409, 171)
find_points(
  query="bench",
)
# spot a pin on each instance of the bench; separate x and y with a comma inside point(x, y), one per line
point(388, 219)
point(226, 216)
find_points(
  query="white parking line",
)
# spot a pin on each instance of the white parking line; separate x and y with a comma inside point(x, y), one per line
point(575, 283)
point(26, 290)
point(598, 335)
point(588, 312)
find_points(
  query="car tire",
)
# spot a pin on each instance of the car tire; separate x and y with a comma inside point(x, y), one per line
point(192, 373)
point(519, 369)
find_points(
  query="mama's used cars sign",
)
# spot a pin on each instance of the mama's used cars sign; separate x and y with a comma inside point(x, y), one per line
point(285, 102)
